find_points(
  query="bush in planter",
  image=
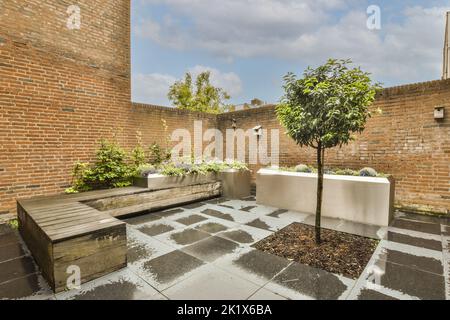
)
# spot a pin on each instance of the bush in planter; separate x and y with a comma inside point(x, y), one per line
point(345, 172)
point(110, 170)
point(368, 172)
point(303, 168)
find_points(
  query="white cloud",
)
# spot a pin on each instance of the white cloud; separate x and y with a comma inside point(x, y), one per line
point(304, 31)
point(153, 88)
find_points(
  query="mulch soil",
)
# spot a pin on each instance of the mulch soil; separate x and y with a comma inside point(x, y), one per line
point(340, 253)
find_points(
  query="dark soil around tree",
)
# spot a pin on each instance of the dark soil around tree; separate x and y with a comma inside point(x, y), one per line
point(339, 253)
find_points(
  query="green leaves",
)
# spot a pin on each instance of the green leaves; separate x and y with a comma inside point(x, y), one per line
point(327, 105)
point(204, 97)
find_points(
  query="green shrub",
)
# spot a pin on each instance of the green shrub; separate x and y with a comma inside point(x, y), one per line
point(303, 168)
point(346, 172)
point(158, 154)
point(368, 172)
point(110, 170)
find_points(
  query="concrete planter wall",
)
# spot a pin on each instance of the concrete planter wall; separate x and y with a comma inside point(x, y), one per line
point(360, 199)
point(236, 184)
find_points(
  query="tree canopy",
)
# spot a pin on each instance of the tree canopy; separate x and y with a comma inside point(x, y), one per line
point(201, 96)
point(328, 105)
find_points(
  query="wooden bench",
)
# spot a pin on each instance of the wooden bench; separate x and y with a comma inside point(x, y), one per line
point(83, 230)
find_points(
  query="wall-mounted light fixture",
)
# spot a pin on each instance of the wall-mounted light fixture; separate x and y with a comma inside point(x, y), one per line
point(439, 113)
point(258, 131)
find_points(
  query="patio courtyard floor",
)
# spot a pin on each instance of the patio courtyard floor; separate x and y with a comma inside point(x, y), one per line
point(204, 251)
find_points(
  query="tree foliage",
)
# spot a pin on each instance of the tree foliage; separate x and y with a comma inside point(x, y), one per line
point(324, 109)
point(199, 96)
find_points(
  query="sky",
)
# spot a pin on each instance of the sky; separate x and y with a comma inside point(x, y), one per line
point(249, 45)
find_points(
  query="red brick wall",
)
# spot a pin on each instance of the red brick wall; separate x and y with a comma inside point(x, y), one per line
point(405, 141)
point(62, 90)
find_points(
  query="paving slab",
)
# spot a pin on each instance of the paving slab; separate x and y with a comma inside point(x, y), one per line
point(166, 270)
point(311, 282)
point(410, 281)
point(188, 236)
point(414, 241)
point(266, 295)
point(425, 227)
point(17, 268)
point(211, 248)
point(413, 261)
point(121, 285)
point(212, 284)
point(211, 227)
point(30, 287)
point(11, 251)
point(368, 294)
point(192, 219)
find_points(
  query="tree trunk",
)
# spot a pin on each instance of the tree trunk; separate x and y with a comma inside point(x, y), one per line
point(320, 161)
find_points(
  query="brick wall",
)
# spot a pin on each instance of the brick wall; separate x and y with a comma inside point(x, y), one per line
point(62, 90)
point(405, 141)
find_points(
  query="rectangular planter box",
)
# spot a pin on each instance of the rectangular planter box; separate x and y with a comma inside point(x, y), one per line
point(236, 184)
point(360, 199)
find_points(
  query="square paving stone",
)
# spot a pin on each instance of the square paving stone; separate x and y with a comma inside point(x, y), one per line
point(188, 236)
point(414, 241)
point(277, 213)
point(248, 208)
point(218, 214)
point(138, 251)
point(412, 261)
point(121, 285)
point(433, 228)
point(169, 213)
point(312, 282)
point(261, 264)
point(156, 229)
point(171, 266)
point(195, 218)
point(193, 205)
point(17, 268)
point(30, 287)
point(211, 248)
point(8, 238)
point(413, 282)
point(12, 251)
point(368, 294)
point(142, 219)
point(418, 217)
point(211, 283)
point(240, 236)
point(211, 227)
point(258, 223)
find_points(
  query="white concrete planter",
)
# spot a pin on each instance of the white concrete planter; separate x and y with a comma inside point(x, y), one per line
point(236, 184)
point(360, 199)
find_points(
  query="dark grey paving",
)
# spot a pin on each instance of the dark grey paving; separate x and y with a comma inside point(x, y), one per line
point(247, 209)
point(188, 236)
point(141, 219)
point(17, 268)
point(218, 214)
point(21, 288)
point(261, 263)
point(276, 213)
point(118, 290)
point(368, 294)
point(258, 223)
point(238, 236)
point(8, 238)
point(156, 229)
point(5, 228)
point(195, 218)
point(419, 217)
point(11, 251)
point(311, 282)
point(433, 228)
point(252, 198)
point(171, 266)
point(217, 201)
point(193, 205)
point(446, 231)
point(168, 213)
point(414, 282)
point(413, 261)
point(212, 227)
point(137, 252)
point(414, 241)
point(211, 248)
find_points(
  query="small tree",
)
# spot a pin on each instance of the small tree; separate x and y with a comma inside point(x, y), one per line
point(204, 97)
point(324, 109)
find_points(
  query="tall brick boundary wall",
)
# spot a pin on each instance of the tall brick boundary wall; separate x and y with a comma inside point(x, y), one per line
point(405, 141)
point(63, 90)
